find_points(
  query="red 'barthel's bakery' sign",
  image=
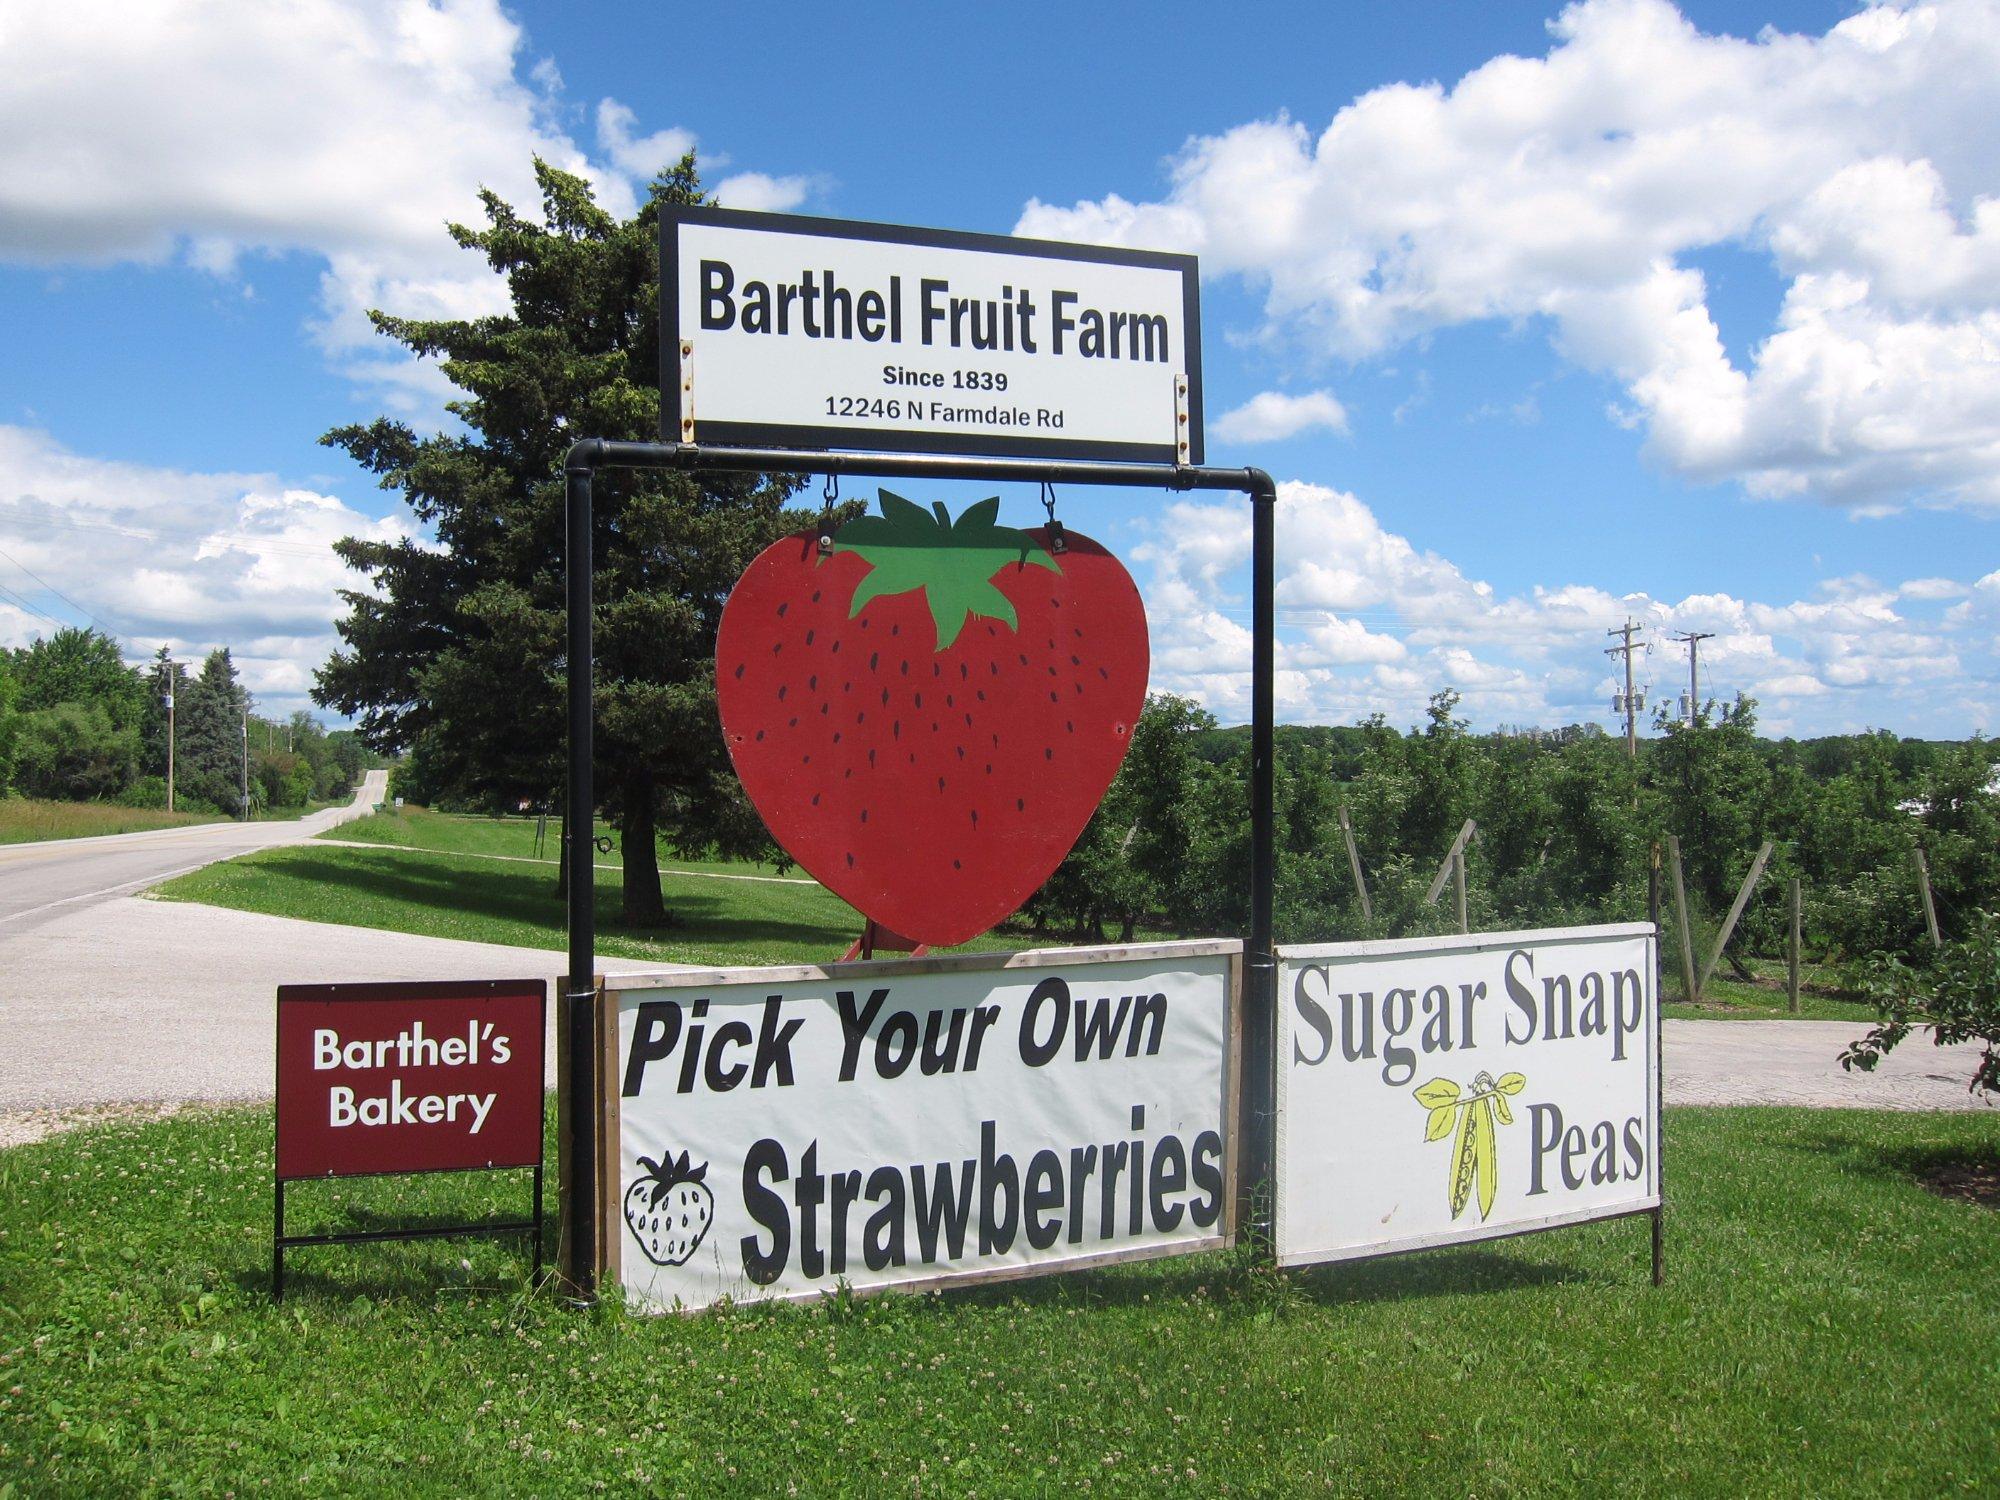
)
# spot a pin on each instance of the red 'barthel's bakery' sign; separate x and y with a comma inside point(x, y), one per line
point(409, 1077)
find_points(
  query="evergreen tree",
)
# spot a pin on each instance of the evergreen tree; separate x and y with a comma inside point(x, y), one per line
point(459, 649)
point(209, 757)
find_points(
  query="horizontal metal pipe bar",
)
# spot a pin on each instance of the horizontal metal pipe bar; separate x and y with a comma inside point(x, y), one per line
point(603, 453)
point(364, 1236)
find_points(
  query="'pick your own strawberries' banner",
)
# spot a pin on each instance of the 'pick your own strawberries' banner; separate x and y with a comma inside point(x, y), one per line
point(782, 1131)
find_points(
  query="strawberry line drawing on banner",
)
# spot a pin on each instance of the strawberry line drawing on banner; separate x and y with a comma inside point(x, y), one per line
point(927, 709)
point(669, 1209)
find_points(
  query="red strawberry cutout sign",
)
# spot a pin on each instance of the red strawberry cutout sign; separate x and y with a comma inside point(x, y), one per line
point(927, 715)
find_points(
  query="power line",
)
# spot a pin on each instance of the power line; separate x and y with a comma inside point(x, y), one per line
point(52, 589)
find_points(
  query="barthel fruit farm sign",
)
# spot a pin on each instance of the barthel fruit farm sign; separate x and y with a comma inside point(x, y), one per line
point(776, 1133)
point(821, 333)
point(1437, 1090)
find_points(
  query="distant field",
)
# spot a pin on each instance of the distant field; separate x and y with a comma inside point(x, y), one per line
point(24, 820)
point(723, 913)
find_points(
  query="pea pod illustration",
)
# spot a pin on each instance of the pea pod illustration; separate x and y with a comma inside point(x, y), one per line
point(1474, 1162)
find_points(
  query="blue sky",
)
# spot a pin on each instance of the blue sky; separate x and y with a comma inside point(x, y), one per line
point(1543, 318)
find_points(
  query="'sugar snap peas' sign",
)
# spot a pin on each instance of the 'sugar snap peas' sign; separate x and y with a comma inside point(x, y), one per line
point(1460, 1088)
point(780, 1132)
point(821, 333)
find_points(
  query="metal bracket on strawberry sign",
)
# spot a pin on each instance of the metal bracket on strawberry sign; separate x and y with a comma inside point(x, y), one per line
point(581, 1251)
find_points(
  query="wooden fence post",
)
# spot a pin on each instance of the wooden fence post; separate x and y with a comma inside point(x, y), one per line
point(1792, 953)
point(1692, 990)
point(1444, 870)
point(1354, 864)
point(1736, 911)
point(1458, 876)
point(1924, 886)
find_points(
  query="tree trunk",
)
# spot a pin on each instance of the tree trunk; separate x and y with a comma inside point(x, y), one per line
point(643, 906)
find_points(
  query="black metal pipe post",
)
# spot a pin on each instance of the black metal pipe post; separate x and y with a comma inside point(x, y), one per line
point(579, 1258)
point(579, 1005)
point(1260, 988)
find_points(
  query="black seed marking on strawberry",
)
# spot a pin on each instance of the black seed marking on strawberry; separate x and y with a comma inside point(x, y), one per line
point(815, 597)
point(862, 717)
point(795, 722)
point(1075, 660)
point(913, 757)
point(874, 660)
point(812, 683)
point(961, 752)
point(968, 721)
point(1020, 804)
point(1048, 752)
point(836, 648)
point(920, 700)
point(982, 694)
point(1052, 696)
point(1101, 672)
point(1052, 671)
point(906, 669)
point(848, 774)
point(815, 799)
point(808, 760)
point(739, 669)
point(895, 630)
point(885, 697)
point(836, 737)
point(776, 647)
point(956, 865)
point(760, 734)
point(975, 817)
point(1079, 688)
point(824, 707)
point(781, 693)
point(940, 783)
point(936, 670)
point(996, 741)
point(871, 760)
point(989, 768)
point(850, 861)
point(934, 726)
point(963, 671)
point(783, 607)
point(1052, 645)
point(864, 815)
point(993, 667)
point(896, 730)
point(1024, 659)
point(949, 702)
point(809, 637)
point(1070, 725)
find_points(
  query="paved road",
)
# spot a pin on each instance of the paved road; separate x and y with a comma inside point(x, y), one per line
point(1798, 1062)
point(42, 883)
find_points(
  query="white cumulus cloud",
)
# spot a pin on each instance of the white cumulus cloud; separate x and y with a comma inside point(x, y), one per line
point(1576, 190)
point(1273, 415)
point(158, 556)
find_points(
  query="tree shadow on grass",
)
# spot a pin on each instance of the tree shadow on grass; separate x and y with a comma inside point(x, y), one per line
point(528, 900)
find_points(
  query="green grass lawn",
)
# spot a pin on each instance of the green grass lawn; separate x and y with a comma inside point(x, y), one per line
point(510, 837)
point(24, 820)
point(1822, 996)
point(464, 895)
point(1826, 1327)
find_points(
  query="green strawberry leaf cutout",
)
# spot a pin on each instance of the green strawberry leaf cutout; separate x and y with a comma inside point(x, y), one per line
point(953, 562)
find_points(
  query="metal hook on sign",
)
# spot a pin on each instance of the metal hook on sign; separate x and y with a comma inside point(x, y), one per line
point(830, 494)
point(1056, 542)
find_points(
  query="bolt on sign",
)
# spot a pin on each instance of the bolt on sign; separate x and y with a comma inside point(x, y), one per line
point(792, 332)
point(1438, 1090)
point(418, 1077)
point(777, 1133)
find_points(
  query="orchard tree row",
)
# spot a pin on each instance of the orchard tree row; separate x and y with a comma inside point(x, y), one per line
point(1567, 829)
point(78, 723)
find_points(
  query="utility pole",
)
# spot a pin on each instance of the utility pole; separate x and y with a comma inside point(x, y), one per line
point(1629, 702)
point(167, 666)
point(246, 763)
point(1694, 638)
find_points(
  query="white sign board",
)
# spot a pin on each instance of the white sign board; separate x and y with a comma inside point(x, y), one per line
point(782, 1131)
point(1437, 1090)
point(796, 332)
